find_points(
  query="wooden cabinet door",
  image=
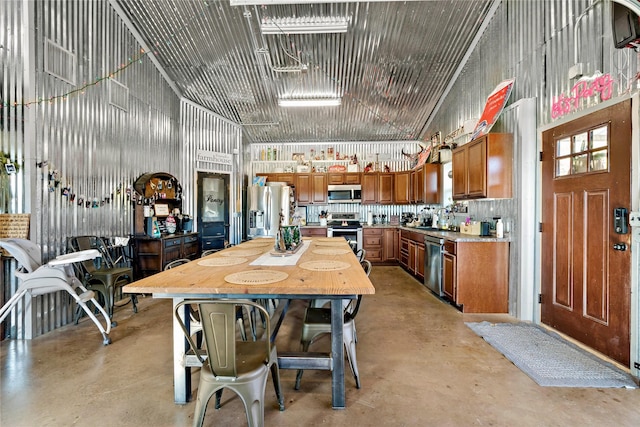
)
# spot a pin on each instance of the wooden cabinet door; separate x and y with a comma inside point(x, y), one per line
point(288, 178)
point(420, 260)
point(412, 256)
point(459, 170)
point(385, 188)
point(449, 276)
point(431, 184)
point(319, 185)
point(477, 168)
point(390, 244)
point(369, 188)
point(335, 178)
point(304, 188)
point(402, 188)
point(404, 252)
point(352, 178)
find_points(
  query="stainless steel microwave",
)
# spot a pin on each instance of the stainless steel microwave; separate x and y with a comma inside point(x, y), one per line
point(344, 193)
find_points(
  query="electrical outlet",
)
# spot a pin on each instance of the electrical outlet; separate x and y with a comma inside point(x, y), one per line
point(634, 219)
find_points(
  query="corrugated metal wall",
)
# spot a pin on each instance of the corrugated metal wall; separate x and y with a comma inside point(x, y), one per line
point(85, 139)
point(536, 42)
point(204, 130)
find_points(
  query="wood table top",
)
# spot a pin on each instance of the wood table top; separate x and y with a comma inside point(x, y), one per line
point(196, 279)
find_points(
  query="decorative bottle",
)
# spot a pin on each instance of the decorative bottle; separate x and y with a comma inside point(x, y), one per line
point(499, 229)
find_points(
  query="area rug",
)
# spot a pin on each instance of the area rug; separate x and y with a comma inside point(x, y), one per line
point(549, 359)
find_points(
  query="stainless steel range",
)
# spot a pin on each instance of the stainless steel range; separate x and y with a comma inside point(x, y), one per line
point(345, 225)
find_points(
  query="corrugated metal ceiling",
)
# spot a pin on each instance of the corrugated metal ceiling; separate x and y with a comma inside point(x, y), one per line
point(390, 68)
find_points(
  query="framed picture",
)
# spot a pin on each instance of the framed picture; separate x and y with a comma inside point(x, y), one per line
point(298, 157)
point(10, 168)
point(162, 209)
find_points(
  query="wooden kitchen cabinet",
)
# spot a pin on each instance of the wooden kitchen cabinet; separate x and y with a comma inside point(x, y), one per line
point(310, 231)
point(425, 184)
point(385, 188)
point(337, 178)
point(412, 253)
point(402, 188)
point(288, 178)
point(372, 243)
point(369, 188)
point(377, 188)
point(483, 168)
point(431, 185)
point(390, 244)
point(381, 244)
point(151, 255)
point(475, 276)
point(311, 188)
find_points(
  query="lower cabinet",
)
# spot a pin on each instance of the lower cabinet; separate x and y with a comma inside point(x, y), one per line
point(381, 243)
point(412, 253)
point(152, 255)
point(310, 231)
point(475, 276)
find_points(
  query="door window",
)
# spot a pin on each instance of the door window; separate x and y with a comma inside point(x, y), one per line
point(583, 152)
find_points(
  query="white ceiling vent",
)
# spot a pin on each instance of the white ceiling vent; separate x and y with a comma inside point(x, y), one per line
point(118, 95)
point(60, 62)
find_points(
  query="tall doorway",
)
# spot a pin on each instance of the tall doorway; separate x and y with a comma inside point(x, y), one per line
point(213, 210)
point(586, 257)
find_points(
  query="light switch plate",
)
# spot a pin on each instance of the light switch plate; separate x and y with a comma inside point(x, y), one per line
point(634, 219)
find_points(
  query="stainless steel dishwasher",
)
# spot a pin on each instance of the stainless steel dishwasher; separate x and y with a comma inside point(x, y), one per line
point(433, 247)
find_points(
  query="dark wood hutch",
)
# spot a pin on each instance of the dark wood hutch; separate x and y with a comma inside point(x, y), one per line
point(158, 195)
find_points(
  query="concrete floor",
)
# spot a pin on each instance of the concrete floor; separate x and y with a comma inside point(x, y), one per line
point(419, 365)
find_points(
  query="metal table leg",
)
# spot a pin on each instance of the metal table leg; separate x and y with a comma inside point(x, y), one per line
point(181, 374)
point(337, 355)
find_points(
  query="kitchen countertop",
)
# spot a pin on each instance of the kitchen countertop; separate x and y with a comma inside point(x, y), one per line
point(456, 236)
point(445, 234)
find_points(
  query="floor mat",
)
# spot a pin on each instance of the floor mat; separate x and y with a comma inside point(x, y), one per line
point(549, 359)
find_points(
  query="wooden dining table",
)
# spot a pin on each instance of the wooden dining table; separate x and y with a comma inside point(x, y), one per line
point(323, 268)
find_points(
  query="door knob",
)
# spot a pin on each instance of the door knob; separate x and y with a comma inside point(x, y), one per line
point(620, 246)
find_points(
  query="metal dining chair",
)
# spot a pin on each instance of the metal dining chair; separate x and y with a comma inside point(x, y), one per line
point(242, 366)
point(194, 316)
point(317, 321)
point(106, 277)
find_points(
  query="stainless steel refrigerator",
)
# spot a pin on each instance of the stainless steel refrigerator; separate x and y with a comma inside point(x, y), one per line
point(265, 204)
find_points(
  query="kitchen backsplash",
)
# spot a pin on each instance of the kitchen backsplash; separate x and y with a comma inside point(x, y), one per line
point(313, 211)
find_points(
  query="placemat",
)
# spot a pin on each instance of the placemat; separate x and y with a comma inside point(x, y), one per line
point(331, 251)
point(256, 277)
point(219, 261)
point(242, 252)
point(325, 265)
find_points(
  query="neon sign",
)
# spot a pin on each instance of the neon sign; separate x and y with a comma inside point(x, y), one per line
point(586, 87)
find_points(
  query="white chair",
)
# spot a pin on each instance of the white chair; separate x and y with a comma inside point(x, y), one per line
point(36, 279)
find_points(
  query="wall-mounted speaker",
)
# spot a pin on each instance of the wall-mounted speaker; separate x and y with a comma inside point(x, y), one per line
point(625, 25)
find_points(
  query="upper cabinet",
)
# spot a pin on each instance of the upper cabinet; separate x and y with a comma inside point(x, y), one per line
point(483, 168)
point(402, 191)
point(377, 188)
point(311, 188)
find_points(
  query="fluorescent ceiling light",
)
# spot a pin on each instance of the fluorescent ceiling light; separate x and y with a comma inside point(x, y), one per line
point(304, 25)
point(309, 102)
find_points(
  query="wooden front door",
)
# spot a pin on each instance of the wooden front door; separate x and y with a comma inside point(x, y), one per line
point(586, 282)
